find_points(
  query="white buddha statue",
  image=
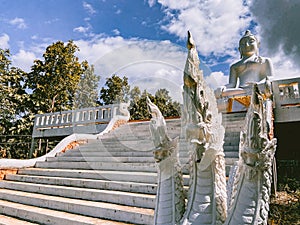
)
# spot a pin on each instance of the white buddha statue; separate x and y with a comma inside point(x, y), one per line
point(252, 68)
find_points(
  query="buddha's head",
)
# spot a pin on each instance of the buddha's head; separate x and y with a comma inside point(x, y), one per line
point(248, 45)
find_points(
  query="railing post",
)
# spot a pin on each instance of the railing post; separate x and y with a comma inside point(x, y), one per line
point(33, 141)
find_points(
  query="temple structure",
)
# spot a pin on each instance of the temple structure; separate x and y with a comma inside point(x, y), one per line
point(214, 165)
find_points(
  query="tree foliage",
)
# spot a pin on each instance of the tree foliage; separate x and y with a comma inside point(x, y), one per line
point(115, 90)
point(49, 87)
point(15, 118)
point(139, 107)
point(54, 80)
point(86, 94)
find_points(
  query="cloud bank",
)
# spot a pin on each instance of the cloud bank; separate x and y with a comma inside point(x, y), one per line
point(216, 25)
point(278, 28)
point(148, 64)
point(4, 41)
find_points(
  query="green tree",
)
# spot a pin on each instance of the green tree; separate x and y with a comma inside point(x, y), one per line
point(115, 90)
point(139, 108)
point(15, 118)
point(167, 106)
point(54, 80)
point(138, 104)
point(86, 94)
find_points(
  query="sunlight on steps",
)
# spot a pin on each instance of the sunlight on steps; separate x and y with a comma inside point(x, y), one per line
point(107, 181)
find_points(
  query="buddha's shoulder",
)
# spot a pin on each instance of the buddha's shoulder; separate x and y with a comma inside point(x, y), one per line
point(254, 60)
point(237, 65)
point(266, 60)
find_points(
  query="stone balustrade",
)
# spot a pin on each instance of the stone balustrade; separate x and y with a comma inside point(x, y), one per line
point(285, 94)
point(97, 120)
point(287, 100)
point(62, 122)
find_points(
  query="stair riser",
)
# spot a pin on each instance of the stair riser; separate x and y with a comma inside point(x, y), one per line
point(231, 154)
point(93, 211)
point(231, 148)
point(95, 184)
point(126, 177)
point(136, 136)
point(118, 147)
point(74, 153)
point(102, 159)
point(37, 217)
point(101, 175)
point(101, 196)
point(142, 167)
point(7, 220)
point(107, 159)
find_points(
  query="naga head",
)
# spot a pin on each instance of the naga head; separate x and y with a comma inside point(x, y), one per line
point(254, 137)
point(153, 109)
point(190, 41)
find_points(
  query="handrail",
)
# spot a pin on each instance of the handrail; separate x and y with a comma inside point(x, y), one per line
point(96, 120)
point(286, 99)
point(63, 119)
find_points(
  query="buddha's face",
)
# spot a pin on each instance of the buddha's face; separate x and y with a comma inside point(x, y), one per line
point(248, 46)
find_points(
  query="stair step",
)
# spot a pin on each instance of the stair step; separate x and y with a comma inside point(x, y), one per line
point(235, 134)
point(83, 207)
point(144, 167)
point(231, 161)
point(117, 197)
point(47, 216)
point(102, 159)
point(127, 147)
point(231, 154)
point(6, 220)
point(136, 176)
point(228, 148)
point(120, 153)
point(127, 176)
point(146, 188)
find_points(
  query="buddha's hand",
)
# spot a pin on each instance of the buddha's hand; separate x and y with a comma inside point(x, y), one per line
point(219, 91)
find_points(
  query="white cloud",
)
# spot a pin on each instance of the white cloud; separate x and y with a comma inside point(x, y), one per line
point(19, 22)
point(23, 60)
point(119, 11)
point(52, 21)
point(4, 41)
point(151, 3)
point(86, 30)
point(278, 31)
point(89, 8)
point(34, 37)
point(216, 25)
point(148, 64)
point(81, 29)
point(284, 67)
point(116, 32)
point(216, 79)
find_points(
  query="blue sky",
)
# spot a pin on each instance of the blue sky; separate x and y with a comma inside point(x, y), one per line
point(145, 40)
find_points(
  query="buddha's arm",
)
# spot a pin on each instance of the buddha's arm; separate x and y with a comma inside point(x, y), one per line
point(267, 71)
point(232, 78)
point(269, 68)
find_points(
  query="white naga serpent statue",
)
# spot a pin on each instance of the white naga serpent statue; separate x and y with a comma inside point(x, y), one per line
point(207, 196)
point(170, 199)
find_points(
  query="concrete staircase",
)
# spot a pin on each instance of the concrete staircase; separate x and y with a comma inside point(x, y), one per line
point(233, 123)
point(107, 181)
